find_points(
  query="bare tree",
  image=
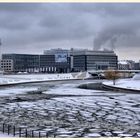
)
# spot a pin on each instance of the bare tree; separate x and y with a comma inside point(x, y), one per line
point(112, 75)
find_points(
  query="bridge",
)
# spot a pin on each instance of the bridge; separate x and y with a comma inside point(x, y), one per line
point(123, 73)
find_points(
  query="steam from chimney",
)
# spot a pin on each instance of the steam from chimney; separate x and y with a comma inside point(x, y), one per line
point(113, 40)
point(112, 35)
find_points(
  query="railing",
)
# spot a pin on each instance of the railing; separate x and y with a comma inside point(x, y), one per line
point(24, 132)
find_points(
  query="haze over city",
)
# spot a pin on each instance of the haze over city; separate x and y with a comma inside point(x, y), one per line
point(34, 27)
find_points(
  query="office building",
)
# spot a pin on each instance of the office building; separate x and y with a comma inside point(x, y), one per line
point(63, 61)
point(58, 62)
point(87, 60)
point(126, 65)
point(7, 65)
point(23, 62)
point(137, 66)
point(123, 65)
point(39, 63)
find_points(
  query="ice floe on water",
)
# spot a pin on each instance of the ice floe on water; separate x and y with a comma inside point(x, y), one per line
point(8, 91)
point(90, 113)
point(71, 89)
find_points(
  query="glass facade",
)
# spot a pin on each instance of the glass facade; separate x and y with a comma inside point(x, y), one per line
point(79, 63)
point(79, 60)
point(37, 63)
point(91, 60)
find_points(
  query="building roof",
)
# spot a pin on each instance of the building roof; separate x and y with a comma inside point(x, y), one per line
point(123, 62)
point(91, 52)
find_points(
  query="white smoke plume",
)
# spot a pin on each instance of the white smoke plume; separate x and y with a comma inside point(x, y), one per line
point(113, 33)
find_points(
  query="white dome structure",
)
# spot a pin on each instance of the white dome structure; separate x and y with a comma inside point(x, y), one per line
point(136, 76)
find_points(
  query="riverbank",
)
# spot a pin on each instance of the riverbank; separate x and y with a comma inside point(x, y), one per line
point(35, 78)
point(123, 85)
point(94, 86)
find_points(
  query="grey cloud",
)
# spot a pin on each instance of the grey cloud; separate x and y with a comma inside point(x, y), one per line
point(20, 16)
point(19, 7)
point(14, 23)
point(107, 9)
point(41, 24)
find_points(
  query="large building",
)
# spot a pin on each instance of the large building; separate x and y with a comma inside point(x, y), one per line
point(62, 61)
point(60, 58)
point(87, 60)
point(6, 65)
point(55, 63)
point(23, 62)
point(123, 65)
point(137, 66)
point(126, 65)
point(39, 63)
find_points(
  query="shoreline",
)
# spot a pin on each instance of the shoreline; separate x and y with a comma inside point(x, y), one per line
point(104, 87)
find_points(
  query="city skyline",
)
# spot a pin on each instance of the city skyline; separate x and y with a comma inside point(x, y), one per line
point(35, 27)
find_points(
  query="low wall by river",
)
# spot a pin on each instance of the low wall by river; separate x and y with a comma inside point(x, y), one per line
point(94, 86)
point(101, 86)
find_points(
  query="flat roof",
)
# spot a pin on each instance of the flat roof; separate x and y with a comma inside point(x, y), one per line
point(93, 52)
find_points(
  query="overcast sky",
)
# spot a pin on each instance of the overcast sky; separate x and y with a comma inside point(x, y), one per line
point(32, 28)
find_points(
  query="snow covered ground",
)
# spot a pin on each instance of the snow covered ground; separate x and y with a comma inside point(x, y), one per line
point(5, 135)
point(22, 78)
point(125, 83)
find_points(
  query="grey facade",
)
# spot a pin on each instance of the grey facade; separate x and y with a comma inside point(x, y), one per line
point(94, 60)
point(137, 66)
point(6, 65)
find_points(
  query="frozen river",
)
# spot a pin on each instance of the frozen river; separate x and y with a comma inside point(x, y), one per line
point(63, 110)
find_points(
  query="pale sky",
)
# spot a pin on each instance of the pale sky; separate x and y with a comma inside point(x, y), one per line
point(33, 27)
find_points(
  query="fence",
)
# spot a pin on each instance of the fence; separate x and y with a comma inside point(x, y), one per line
point(24, 132)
